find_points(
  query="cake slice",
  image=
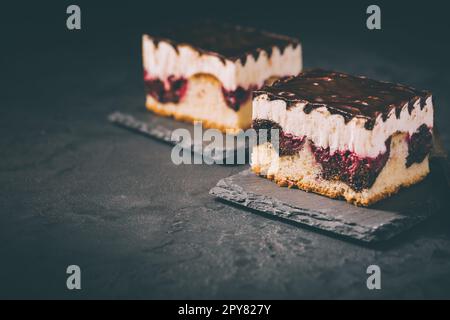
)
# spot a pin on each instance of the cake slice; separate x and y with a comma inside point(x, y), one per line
point(207, 72)
point(343, 136)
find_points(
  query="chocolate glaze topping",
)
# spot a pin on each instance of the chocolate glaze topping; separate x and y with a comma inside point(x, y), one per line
point(347, 95)
point(228, 42)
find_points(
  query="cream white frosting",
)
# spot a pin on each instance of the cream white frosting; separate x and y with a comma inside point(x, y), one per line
point(163, 60)
point(330, 130)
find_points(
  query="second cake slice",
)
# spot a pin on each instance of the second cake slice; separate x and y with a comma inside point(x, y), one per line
point(208, 72)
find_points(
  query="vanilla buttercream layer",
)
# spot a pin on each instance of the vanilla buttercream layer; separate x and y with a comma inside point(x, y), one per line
point(331, 130)
point(162, 60)
point(204, 101)
point(303, 171)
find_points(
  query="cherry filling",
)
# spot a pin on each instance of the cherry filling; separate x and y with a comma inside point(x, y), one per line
point(235, 98)
point(346, 166)
point(267, 125)
point(172, 89)
point(419, 145)
point(288, 143)
point(358, 172)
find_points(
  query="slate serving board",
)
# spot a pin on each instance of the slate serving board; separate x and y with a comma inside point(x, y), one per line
point(380, 222)
point(161, 128)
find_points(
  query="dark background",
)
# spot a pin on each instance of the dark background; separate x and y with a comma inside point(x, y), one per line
point(76, 190)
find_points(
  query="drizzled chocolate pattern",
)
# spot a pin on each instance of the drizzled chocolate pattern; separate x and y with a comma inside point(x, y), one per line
point(228, 42)
point(346, 95)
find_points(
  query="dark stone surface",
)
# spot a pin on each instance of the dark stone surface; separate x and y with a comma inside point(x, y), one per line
point(77, 190)
point(380, 222)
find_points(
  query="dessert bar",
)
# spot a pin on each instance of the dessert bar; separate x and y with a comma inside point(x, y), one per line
point(207, 72)
point(343, 135)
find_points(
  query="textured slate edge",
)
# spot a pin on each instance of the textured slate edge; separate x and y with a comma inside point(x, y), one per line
point(129, 122)
point(154, 130)
point(229, 191)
